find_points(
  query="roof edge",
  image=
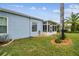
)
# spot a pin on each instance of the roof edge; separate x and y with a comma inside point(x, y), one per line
point(18, 13)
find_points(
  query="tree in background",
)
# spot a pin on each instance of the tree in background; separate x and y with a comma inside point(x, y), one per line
point(73, 19)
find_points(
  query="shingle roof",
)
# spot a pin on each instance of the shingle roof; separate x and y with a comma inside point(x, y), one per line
point(51, 22)
point(18, 13)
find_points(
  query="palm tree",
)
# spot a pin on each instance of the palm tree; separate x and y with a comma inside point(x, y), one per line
point(73, 20)
point(62, 20)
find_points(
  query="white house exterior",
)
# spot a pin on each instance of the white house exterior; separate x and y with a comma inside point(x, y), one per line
point(18, 25)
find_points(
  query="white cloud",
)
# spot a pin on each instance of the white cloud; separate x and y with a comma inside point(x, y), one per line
point(33, 8)
point(44, 8)
point(56, 11)
point(17, 6)
point(67, 11)
point(75, 6)
point(38, 8)
point(72, 8)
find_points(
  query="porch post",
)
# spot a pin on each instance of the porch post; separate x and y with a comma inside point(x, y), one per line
point(47, 26)
point(56, 27)
point(53, 27)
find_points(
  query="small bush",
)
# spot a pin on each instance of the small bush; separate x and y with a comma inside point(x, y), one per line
point(63, 37)
point(4, 38)
point(58, 39)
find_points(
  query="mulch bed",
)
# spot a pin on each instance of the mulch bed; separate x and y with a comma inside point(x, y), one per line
point(66, 42)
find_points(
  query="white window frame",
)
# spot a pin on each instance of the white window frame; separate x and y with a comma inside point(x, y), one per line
point(36, 27)
point(7, 25)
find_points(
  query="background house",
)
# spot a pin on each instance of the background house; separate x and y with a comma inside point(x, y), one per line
point(67, 26)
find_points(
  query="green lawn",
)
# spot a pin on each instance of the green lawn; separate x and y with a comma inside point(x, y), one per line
point(41, 46)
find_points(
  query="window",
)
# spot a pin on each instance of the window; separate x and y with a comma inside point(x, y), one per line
point(3, 25)
point(53, 28)
point(44, 28)
point(48, 28)
point(34, 27)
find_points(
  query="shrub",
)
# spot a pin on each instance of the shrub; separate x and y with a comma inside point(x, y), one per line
point(63, 37)
point(4, 38)
point(58, 39)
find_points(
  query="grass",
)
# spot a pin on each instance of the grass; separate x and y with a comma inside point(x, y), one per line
point(41, 46)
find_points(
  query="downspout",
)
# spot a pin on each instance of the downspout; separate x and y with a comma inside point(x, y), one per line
point(29, 28)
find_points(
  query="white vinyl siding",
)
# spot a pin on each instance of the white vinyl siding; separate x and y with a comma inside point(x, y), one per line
point(21, 27)
point(39, 27)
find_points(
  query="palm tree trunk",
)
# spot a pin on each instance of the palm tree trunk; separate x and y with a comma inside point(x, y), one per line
point(62, 19)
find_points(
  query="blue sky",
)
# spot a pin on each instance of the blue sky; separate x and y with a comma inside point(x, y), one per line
point(46, 11)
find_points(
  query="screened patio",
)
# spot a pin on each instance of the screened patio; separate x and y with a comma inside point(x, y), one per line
point(49, 27)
